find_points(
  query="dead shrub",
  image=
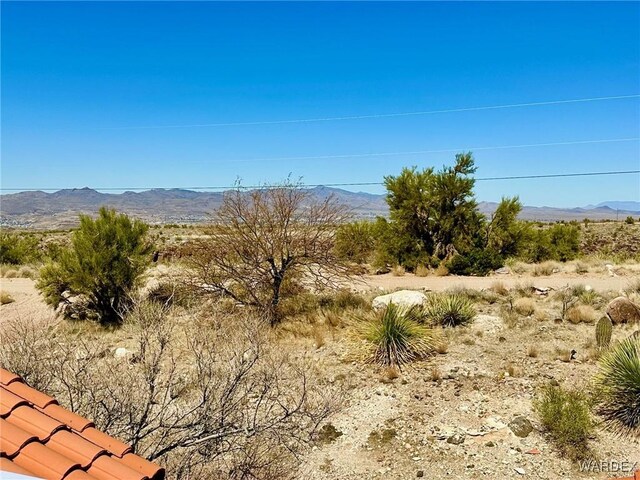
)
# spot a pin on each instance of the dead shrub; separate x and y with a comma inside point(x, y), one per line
point(499, 288)
point(422, 271)
point(581, 314)
point(441, 271)
point(5, 298)
point(204, 402)
point(525, 306)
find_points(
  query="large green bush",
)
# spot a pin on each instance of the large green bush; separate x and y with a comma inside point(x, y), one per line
point(104, 263)
point(356, 241)
point(560, 242)
point(476, 262)
point(18, 249)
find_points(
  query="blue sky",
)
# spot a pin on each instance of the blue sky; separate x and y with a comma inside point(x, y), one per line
point(80, 79)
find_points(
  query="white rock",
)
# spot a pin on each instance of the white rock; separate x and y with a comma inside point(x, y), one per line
point(519, 470)
point(403, 298)
point(121, 352)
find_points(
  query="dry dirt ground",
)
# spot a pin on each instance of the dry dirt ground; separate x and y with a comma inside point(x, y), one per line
point(398, 428)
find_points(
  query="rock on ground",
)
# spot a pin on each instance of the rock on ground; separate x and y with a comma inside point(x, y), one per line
point(623, 310)
point(403, 298)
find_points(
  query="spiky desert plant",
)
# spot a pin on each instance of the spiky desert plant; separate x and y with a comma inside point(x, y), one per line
point(618, 382)
point(604, 329)
point(395, 336)
point(449, 310)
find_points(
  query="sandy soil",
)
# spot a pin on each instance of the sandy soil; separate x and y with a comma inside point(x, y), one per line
point(398, 429)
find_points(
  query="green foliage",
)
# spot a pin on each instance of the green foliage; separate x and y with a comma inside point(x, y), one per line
point(436, 210)
point(104, 263)
point(560, 242)
point(18, 249)
point(566, 418)
point(618, 383)
point(396, 336)
point(604, 329)
point(449, 310)
point(476, 262)
point(356, 241)
point(505, 234)
point(629, 220)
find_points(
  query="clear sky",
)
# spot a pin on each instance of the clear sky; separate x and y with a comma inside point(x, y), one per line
point(81, 79)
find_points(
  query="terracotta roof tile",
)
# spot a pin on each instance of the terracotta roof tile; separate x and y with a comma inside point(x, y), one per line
point(105, 441)
point(34, 422)
point(13, 438)
point(143, 466)
point(63, 415)
point(9, 401)
point(44, 462)
point(109, 468)
point(40, 438)
point(74, 447)
point(7, 465)
point(6, 377)
point(32, 395)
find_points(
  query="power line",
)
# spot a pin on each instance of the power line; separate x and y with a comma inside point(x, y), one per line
point(349, 184)
point(419, 152)
point(380, 115)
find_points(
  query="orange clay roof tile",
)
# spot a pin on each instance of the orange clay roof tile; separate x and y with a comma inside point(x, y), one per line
point(109, 468)
point(9, 401)
point(74, 447)
point(44, 462)
point(6, 377)
point(41, 439)
point(105, 441)
point(7, 465)
point(34, 422)
point(143, 466)
point(32, 395)
point(63, 415)
point(13, 438)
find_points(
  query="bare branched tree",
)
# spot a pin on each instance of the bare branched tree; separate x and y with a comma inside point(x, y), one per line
point(263, 238)
point(205, 401)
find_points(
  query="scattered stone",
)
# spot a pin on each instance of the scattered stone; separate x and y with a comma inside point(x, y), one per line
point(533, 451)
point(402, 298)
point(503, 271)
point(521, 427)
point(519, 471)
point(490, 443)
point(623, 310)
point(122, 352)
point(456, 439)
point(420, 473)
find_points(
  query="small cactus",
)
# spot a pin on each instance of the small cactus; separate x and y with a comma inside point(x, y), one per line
point(604, 328)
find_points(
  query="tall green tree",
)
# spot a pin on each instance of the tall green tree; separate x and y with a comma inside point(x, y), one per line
point(105, 262)
point(436, 208)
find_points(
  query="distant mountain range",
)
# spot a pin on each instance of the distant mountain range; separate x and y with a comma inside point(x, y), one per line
point(60, 209)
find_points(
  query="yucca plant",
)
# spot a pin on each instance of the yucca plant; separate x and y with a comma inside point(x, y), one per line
point(448, 310)
point(395, 336)
point(618, 382)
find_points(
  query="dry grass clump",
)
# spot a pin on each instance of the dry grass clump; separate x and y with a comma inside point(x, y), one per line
point(523, 289)
point(5, 298)
point(563, 354)
point(398, 271)
point(582, 268)
point(518, 267)
point(441, 271)
point(499, 288)
point(544, 269)
point(541, 315)
point(442, 347)
point(435, 375)
point(422, 271)
point(532, 351)
point(513, 370)
point(11, 273)
point(525, 306)
point(27, 272)
point(581, 314)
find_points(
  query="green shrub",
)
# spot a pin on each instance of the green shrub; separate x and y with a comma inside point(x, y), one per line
point(356, 241)
point(618, 382)
point(342, 300)
point(559, 242)
point(19, 249)
point(566, 419)
point(104, 263)
point(449, 310)
point(629, 220)
point(396, 337)
point(476, 262)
